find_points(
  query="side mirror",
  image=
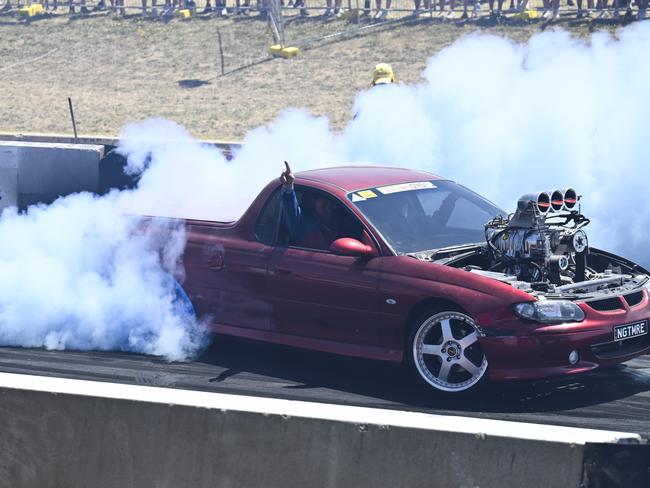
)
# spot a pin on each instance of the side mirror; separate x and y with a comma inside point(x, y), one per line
point(346, 246)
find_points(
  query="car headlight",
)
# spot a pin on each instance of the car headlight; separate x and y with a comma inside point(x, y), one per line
point(550, 311)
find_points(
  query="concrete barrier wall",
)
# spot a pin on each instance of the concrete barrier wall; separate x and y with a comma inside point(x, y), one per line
point(40, 167)
point(72, 433)
point(32, 172)
point(8, 180)
point(102, 140)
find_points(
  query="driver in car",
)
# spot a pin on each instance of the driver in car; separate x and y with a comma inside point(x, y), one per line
point(312, 224)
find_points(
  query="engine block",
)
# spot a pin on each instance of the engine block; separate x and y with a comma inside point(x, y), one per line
point(542, 241)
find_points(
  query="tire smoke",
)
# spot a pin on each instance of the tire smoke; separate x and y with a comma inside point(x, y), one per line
point(506, 119)
point(500, 117)
point(80, 274)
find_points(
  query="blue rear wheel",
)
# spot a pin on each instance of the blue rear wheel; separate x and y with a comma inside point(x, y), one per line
point(182, 302)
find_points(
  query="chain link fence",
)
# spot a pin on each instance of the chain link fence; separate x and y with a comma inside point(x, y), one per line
point(341, 14)
point(340, 18)
point(305, 23)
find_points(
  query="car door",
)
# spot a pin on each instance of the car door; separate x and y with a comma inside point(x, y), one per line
point(227, 275)
point(327, 297)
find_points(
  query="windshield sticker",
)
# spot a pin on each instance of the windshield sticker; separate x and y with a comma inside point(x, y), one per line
point(357, 198)
point(366, 194)
point(417, 185)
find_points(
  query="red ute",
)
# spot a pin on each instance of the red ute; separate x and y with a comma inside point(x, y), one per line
point(420, 269)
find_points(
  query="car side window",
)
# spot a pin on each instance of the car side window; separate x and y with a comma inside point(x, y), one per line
point(268, 221)
point(323, 219)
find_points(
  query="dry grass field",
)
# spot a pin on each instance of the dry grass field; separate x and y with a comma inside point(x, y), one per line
point(122, 69)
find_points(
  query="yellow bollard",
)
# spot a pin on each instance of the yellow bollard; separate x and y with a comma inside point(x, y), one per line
point(185, 13)
point(527, 15)
point(32, 10)
point(279, 51)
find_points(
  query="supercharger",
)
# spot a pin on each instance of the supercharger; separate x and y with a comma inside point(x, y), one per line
point(543, 241)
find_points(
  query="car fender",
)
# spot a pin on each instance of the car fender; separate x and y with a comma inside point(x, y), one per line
point(410, 282)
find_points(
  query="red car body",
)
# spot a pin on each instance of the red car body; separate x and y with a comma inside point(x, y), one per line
point(363, 306)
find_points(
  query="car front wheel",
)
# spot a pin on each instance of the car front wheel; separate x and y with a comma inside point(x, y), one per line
point(445, 351)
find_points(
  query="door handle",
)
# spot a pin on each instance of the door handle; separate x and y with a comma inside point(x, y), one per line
point(216, 262)
point(282, 271)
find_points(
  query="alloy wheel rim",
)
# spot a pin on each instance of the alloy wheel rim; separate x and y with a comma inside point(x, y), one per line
point(447, 353)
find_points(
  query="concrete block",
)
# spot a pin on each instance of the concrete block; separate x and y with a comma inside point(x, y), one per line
point(280, 51)
point(58, 432)
point(109, 142)
point(32, 10)
point(527, 15)
point(46, 171)
point(8, 180)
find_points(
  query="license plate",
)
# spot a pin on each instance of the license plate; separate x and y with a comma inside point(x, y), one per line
point(628, 331)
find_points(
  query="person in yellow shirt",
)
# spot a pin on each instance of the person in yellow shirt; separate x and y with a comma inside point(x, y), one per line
point(382, 75)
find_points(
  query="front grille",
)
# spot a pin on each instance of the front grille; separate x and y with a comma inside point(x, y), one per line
point(634, 298)
point(606, 304)
point(615, 349)
point(616, 303)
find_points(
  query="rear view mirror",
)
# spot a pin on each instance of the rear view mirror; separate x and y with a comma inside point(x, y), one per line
point(346, 246)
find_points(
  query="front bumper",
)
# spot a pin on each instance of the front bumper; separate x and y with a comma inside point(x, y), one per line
point(517, 351)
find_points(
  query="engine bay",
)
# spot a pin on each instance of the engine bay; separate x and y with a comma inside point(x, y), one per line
point(542, 248)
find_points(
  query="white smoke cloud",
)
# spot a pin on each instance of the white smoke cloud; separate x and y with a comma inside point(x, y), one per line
point(185, 178)
point(500, 117)
point(81, 275)
point(506, 119)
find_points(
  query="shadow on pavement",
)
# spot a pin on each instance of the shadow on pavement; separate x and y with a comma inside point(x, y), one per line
point(614, 399)
point(382, 382)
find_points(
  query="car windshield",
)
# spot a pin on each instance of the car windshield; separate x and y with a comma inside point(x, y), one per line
point(426, 215)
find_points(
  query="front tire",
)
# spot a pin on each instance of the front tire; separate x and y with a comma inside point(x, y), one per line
point(444, 351)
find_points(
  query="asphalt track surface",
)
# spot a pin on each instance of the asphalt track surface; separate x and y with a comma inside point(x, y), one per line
point(617, 398)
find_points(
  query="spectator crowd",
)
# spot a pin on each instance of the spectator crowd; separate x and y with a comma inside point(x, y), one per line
point(629, 9)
